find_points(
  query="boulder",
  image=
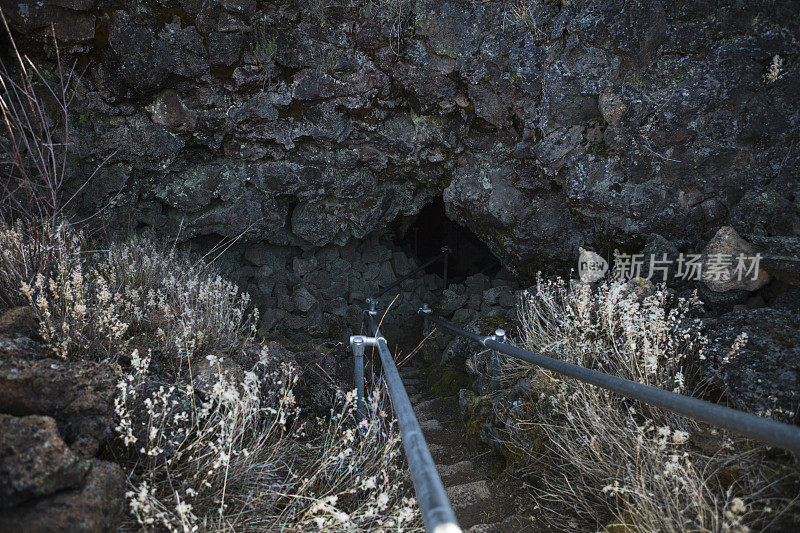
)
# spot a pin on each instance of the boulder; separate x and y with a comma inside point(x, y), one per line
point(79, 395)
point(304, 300)
point(304, 266)
point(96, 506)
point(18, 347)
point(452, 301)
point(20, 321)
point(722, 269)
point(34, 461)
point(169, 111)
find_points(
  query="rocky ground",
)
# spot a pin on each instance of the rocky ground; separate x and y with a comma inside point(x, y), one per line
point(55, 416)
point(312, 134)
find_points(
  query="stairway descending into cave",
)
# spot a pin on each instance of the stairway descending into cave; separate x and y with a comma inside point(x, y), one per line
point(482, 500)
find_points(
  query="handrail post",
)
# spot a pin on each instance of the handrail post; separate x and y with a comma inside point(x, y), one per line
point(499, 336)
point(446, 252)
point(425, 310)
point(357, 345)
point(372, 303)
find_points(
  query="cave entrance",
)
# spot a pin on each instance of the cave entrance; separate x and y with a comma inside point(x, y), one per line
point(424, 234)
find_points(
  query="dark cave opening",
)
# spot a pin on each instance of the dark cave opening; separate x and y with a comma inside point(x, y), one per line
point(424, 235)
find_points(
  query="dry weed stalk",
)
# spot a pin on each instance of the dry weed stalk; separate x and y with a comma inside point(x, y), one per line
point(616, 463)
point(35, 139)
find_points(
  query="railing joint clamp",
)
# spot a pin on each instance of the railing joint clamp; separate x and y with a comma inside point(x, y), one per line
point(499, 336)
point(357, 341)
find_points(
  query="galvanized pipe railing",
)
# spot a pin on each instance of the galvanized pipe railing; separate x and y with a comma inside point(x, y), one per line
point(769, 431)
point(397, 282)
point(437, 513)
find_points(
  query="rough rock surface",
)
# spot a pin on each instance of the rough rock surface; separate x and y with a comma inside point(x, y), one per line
point(34, 461)
point(763, 376)
point(19, 321)
point(54, 416)
point(94, 507)
point(212, 370)
point(79, 395)
point(589, 123)
point(781, 257)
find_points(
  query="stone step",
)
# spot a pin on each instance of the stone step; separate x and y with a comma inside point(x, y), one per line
point(456, 473)
point(436, 432)
point(427, 405)
point(485, 528)
point(407, 371)
point(512, 524)
point(446, 412)
point(429, 424)
point(422, 415)
point(442, 454)
point(472, 503)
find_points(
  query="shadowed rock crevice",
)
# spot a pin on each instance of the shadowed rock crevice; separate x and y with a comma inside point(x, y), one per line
point(423, 235)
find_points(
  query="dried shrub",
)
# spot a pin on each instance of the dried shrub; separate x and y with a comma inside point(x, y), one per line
point(616, 463)
point(26, 252)
point(35, 139)
point(140, 292)
point(242, 460)
point(217, 449)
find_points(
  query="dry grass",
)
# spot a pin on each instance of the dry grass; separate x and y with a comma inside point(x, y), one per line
point(242, 460)
point(140, 292)
point(25, 252)
point(618, 464)
point(209, 444)
point(35, 139)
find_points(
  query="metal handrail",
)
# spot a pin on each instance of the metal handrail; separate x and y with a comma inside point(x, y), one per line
point(437, 513)
point(763, 429)
point(397, 282)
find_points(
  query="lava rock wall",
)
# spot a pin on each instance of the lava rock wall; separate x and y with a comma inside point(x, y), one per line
point(544, 125)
